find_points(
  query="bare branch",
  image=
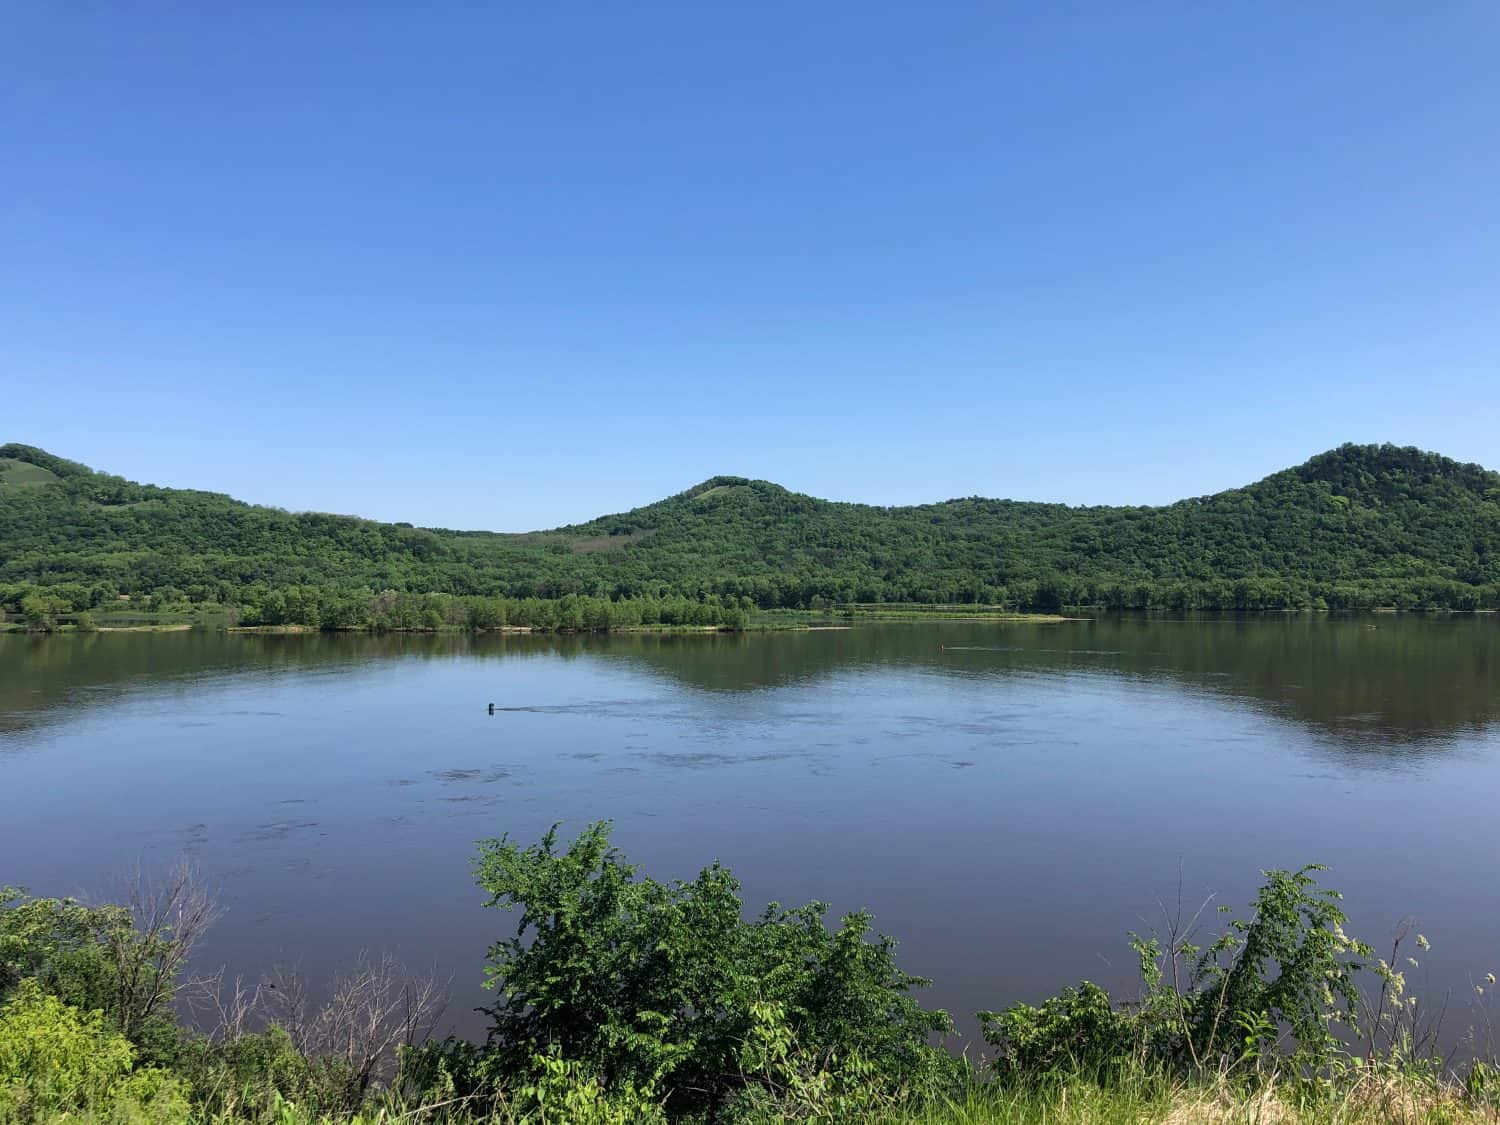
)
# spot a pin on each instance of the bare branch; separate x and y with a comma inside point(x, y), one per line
point(374, 1010)
point(226, 1010)
point(162, 922)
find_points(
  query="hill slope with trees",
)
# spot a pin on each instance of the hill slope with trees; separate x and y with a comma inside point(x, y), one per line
point(1356, 527)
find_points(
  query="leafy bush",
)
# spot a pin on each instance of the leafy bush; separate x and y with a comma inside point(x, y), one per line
point(565, 1090)
point(121, 960)
point(255, 1073)
point(55, 1059)
point(1286, 974)
point(1077, 1031)
point(58, 943)
point(1290, 966)
point(656, 985)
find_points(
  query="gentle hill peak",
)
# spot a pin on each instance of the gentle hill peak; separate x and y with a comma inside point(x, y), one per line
point(1387, 459)
point(1383, 474)
point(719, 485)
point(15, 452)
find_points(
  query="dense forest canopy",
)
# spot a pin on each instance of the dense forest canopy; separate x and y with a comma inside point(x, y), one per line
point(1359, 526)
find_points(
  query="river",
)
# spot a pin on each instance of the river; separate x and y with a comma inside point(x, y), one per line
point(1008, 799)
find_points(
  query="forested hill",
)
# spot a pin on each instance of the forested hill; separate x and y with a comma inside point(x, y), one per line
point(1357, 526)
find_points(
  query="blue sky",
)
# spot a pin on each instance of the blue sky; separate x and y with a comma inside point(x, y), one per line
point(513, 265)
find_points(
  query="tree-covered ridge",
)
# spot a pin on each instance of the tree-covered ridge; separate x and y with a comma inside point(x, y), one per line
point(1385, 508)
point(1357, 526)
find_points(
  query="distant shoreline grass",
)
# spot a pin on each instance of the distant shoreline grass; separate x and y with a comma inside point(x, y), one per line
point(762, 621)
point(183, 618)
point(834, 618)
point(897, 611)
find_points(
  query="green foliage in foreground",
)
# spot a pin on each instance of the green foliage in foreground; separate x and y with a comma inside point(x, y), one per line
point(664, 986)
point(1355, 528)
point(56, 1059)
point(1273, 988)
point(624, 999)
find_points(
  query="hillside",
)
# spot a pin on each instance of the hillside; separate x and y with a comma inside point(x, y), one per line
point(1357, 526)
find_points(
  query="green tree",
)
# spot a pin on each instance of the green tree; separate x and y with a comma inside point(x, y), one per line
point(40, 611)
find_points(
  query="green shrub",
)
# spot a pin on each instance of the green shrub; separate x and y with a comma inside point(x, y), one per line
point(565, 1090)
point(1077, 1031)
point(55, 1059)
point(654, 985)
point(95, 958)
point(1272, 989)
point(257, 1072)
point(58, 943)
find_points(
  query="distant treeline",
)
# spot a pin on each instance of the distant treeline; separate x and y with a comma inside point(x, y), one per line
point(390, 610)
point(333, 609)
point(1359, 527)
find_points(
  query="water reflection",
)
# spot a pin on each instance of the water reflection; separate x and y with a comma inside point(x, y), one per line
point(1370, 687)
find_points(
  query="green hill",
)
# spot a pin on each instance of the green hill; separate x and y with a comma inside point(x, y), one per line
point(1358, 526)
point(23, 474)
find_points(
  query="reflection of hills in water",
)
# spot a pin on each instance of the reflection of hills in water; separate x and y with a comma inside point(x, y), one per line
point(45, 680)
point(1377, 681)
point(1373, 684)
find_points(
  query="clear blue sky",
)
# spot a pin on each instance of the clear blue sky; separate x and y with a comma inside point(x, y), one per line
point(507, 266)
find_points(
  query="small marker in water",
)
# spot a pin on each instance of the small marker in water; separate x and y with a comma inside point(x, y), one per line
point(492, 708)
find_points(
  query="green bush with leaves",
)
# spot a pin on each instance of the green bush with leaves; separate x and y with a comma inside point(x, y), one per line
point(1288, 973)
point(1271, 988)
point(124, 961)
point(658, 985)
point(565, 1090)
point(56, 1060)
point(1078, 1031)
point(58, 943)
point(253, 1074)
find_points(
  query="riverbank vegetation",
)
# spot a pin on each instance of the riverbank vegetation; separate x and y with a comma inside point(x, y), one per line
point(1360, 527)
point(619, 998)
point(309, 608)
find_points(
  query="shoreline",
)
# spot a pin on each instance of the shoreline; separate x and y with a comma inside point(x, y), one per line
point(765, 621)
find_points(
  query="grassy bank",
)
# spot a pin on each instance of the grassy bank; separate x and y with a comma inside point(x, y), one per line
point(1150, 1099)
point(310, 611)
point(873, 612)
point(1143, 1100)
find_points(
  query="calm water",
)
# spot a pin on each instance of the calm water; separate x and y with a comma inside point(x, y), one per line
point(1008, 799)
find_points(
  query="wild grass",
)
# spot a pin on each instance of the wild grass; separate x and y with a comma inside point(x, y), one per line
point(1138, 1099)
point(1145, 1098)
point(892, 611)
